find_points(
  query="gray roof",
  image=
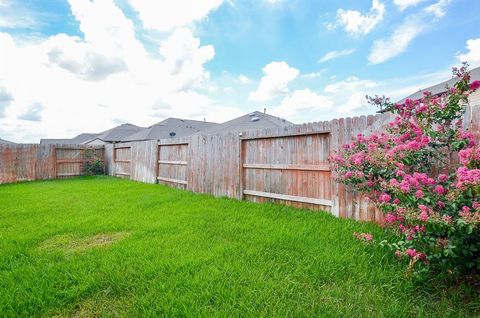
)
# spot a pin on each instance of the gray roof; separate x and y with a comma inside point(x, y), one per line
point(78, 140)
point(253, 121)
point(163, 129)
point(118, 133)
point(6, 142)
point(441, 88)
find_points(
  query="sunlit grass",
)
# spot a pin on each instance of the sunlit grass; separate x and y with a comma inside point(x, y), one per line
point(100, 246)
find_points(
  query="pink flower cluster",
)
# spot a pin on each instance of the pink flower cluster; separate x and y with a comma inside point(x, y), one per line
point(412, 173)
point(469, 154)
point(467, 177)
point(363, 236)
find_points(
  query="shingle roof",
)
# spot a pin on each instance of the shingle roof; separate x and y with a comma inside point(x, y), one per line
point(6, 142)
point(163, 129)
point(441, 88)
point(118, 133)
point(80, 139)
point(252, 121)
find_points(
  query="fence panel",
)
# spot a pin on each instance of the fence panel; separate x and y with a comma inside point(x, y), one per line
point(18, 163)
point(172, 165)
point(122, 158)
point(69, 160)
point(288, 169)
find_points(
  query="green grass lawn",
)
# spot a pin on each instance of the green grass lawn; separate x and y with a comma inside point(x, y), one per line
point(107, 247)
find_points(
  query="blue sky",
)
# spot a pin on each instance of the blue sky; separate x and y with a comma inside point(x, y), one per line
point(72, 66)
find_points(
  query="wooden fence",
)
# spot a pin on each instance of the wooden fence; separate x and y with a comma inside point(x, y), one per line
point(286, 165)
point(26, 162)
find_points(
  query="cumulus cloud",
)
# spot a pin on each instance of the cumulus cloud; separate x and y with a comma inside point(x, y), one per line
point(69, 77)
point(349, 94)
point(244, 79)
point(184, 58)
point(358, 23)
point(167, 15)
point(33, 113)
point(81, 59)
point(384, 49)
point(403, 4)
point(300, 101)
point(274, 83)
point(472, 56)
point(335, 54)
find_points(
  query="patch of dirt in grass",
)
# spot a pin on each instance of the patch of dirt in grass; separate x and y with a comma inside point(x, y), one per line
point(100, 306)
point(69, 243)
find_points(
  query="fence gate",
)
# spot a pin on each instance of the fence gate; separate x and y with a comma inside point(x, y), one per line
point(69, 160)
point(172, 164)
point(122, 158)
point(287, 169)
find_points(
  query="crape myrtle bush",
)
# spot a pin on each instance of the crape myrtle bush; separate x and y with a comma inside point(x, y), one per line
point(424, 174)
point(93, 164)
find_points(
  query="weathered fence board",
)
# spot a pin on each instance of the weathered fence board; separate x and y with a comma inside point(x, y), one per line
point(69, 159)
point(293, 169)
point(26, 162)
point(122, 157)
point(172, 164)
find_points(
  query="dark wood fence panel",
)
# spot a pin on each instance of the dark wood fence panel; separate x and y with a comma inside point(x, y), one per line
point(18, 163)
point(172, 164)
point(122, 158)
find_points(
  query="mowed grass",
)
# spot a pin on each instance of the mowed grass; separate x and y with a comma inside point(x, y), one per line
point(105, 247)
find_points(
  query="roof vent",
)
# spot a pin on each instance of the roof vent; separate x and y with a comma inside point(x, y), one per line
point(254, 119)
point(173, 134)
point(251, 114)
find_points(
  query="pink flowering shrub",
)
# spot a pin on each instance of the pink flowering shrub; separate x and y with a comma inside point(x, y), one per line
point(424, 174)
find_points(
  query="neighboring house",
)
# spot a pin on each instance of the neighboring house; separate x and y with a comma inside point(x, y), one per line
point(438, 89)
point(170, 128)
point(6, 142)
point(253, 121)
point(116, 134)
point(78, 140)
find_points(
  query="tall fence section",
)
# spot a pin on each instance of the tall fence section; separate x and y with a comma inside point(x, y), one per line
point(287, 165)
point(27, 162)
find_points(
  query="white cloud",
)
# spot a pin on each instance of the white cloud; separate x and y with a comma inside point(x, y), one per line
point(14, 15)
point(167, 15)
point(312, 75)
point(412, 26)
point(357, 23)
point(244, 79)
point(301, 101)
point(387, 48)
point(403, 4)
point(274, 83)
point(349, 95)
point(87, 84)
point(473, 54)
point(438, 8)
point(33, 113)
point(335, 54)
